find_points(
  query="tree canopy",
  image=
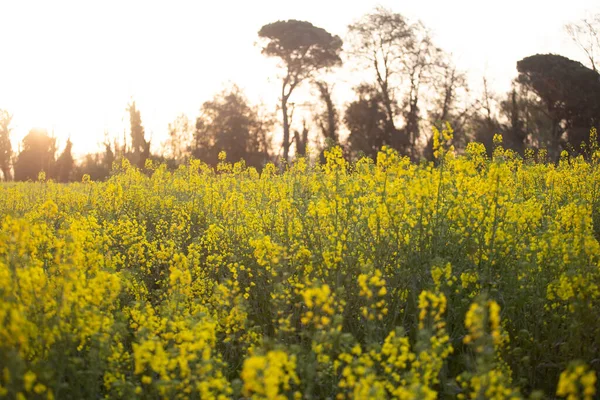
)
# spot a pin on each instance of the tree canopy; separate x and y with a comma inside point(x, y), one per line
point(403, 59)
point(65, 163)
point(366, 119)
point(586, 35)
point(37, 155)
point(303, 50)
point(229, 123)
point(406, 85)
point(569, 90)
point(302, 47)
point(140, 147)
point(5, 145)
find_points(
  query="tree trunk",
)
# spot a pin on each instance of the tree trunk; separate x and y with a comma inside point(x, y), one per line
point(301, 140)
point(446, 106)
point(554, 151)
point(286, 129)
point(6, 174)
point(392, 133)
point(331, 130)
point(412, 125)
point(331, 122)
point(388, 109)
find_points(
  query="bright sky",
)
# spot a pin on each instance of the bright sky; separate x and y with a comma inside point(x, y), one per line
point(73, 66)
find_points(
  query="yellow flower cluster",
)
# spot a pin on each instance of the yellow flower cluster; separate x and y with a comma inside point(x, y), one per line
point(476, 275)
point(270, 376)
point(320, 303)
point(441, 138)
point(476, 319)
point(394, 370)
point(470, 280)
point(577, 382)
point(373, 290)
point(569, 291)
point(490, 377)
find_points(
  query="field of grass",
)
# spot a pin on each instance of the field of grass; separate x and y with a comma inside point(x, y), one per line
point(472, 277)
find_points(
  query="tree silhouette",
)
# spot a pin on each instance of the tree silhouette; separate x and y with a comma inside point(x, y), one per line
point(5, 145)
point(515, 135)
point(97, 165)
point(37, 155)
point(92, 166)
point(109, 156)
point(533, 117)
point(484, 123)
point(450, 104)
point(569, 91)
point(180, 132)
point(228, 123)
point(65, 163)
point(303, 50)
point(525, 120)
point(420, 62)
point(301, 139)
point(367, 122)
point(586, 35)
point(519, 116)
point(328, 119)
point(379, 41)
point(140, 148)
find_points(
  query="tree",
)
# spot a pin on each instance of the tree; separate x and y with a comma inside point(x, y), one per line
point(420, 62)
point(514, 134)
point(484, 123)
point(536, 120)
point(303, 50)
point(65, 164)
point(228, 123)
point(525, 121)
point(450, 104)
point(140, 148)
point(448, 83)
point(327, 120)
point(570, 92)
point(586, 35)
point(180, 131)
point(301, 140)
point(367, 122)
point(110, 155)
point(5, 145)
point(98, 165)
point(38, 154)
point(380, 40)
point(92, 165)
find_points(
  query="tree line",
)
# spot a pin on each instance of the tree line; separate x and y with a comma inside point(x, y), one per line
point(410, 85)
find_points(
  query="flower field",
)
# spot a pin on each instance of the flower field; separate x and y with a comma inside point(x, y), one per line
point(472, 277)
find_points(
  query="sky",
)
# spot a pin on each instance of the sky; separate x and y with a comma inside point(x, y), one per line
point(72, 67)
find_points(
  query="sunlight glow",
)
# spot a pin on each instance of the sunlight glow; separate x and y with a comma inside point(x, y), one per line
point(72, 67)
